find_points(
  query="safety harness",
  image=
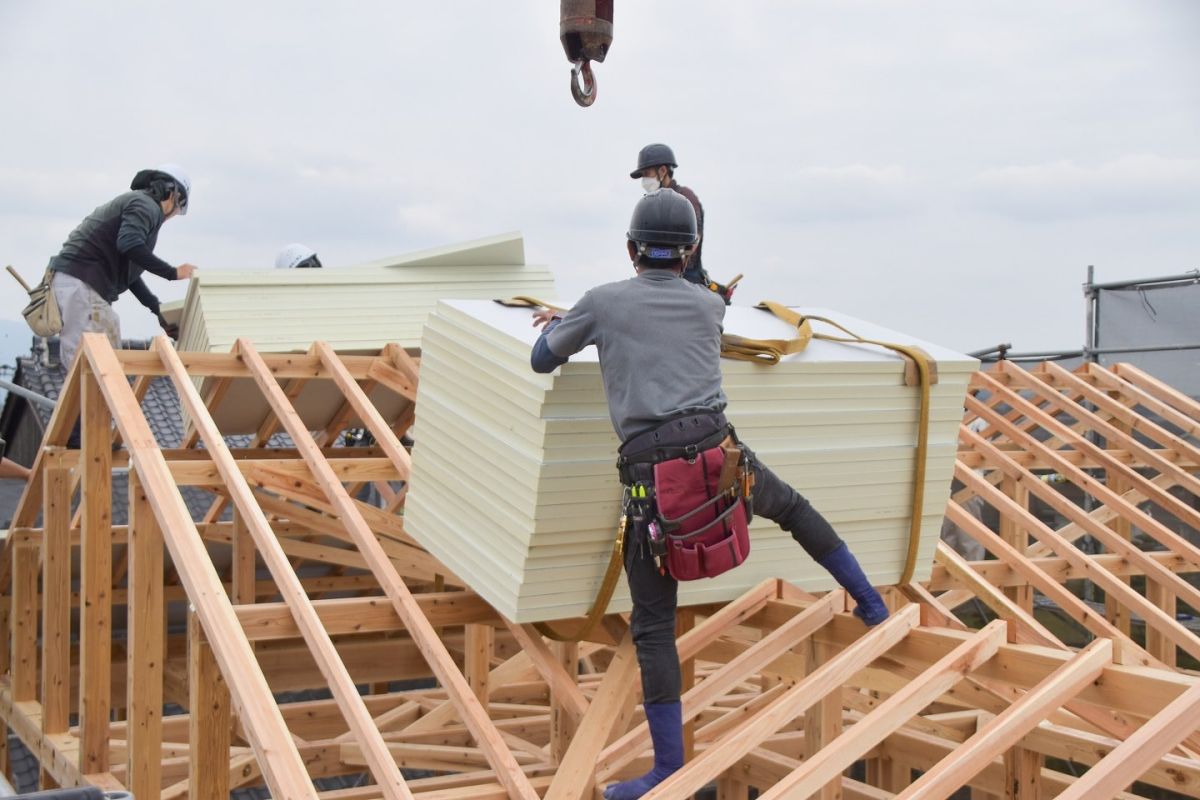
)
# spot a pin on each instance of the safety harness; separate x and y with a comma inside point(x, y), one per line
point(723, 515)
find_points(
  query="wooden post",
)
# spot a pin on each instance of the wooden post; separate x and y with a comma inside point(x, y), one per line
point(1012, 532)
point(1157, 644)
point(146, 626)
point(1022, 774)
point(25, 622)
point(1117, 614)
point(562, 724)
point(732, 788)
point(278, 757)
point(822, 722)
point(95, 619)
point(893, 774)
point(244, 570)
point(685, 620)
point(56, 600)
point(5, 668)
point(209, 722)
point(56, 605)
point(477, 663)
point(576, 775)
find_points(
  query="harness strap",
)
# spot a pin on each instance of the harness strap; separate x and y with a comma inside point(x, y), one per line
point(600, 604)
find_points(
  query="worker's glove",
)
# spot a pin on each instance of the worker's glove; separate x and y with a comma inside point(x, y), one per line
point(171, 330)
point(725, 292)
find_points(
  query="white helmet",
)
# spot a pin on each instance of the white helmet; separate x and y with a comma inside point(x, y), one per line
point(296, 255)
point(182, 182)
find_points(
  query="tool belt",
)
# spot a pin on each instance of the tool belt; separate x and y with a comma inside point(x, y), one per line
point(42, 312)
point(691, 500)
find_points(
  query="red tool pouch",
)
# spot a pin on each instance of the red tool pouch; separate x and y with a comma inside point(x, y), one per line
point(702, 508)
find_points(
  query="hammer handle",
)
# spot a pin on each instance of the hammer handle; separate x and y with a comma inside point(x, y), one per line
point(17, 275)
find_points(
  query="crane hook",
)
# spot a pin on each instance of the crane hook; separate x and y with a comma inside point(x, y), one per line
point(583, 83)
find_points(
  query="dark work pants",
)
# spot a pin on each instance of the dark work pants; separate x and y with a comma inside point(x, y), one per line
point(654, 595)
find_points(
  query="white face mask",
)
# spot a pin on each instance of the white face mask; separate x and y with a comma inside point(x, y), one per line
point(650, 185)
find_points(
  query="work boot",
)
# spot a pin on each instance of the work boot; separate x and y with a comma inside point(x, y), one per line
point(843, 566)
point(666, 731)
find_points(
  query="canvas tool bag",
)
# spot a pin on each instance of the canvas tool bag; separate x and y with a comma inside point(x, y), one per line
point(42, 313)
point(703, 504)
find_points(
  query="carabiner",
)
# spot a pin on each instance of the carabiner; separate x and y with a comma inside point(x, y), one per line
point(583, 83)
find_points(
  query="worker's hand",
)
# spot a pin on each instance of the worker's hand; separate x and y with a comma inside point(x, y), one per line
point(185, 271)
point(168, 328)
point(542, 317)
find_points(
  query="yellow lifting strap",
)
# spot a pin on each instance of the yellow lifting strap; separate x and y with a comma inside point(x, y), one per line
point(919, 370)
point(600, 604)
point(524, 301)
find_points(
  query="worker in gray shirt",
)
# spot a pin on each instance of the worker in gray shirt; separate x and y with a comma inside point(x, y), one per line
point(659, 340)
point(108, 252)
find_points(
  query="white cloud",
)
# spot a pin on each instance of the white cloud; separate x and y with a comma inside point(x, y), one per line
point(843, 151)
point(1130, 185)
point(851, 193)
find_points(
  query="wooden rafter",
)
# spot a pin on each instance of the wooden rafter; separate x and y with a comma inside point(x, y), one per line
point(784, 689)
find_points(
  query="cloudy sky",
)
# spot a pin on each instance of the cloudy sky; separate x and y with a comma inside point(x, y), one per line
point(947, 169)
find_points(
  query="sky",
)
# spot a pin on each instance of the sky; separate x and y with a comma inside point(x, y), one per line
point(945, 169)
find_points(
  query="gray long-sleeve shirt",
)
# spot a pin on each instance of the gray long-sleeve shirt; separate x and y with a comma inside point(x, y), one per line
point(659, 339)
point(98, 250)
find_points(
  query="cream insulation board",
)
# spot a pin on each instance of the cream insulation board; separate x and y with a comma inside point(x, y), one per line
point(514, 485)
point(359, 308)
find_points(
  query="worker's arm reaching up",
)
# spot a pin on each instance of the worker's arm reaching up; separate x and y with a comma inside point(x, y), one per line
point(567, 334)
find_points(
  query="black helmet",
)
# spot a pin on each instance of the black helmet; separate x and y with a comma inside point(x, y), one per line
point(663, 225)
point(654, 155)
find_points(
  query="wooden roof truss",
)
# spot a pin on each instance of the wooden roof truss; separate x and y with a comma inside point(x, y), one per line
point(308, 587)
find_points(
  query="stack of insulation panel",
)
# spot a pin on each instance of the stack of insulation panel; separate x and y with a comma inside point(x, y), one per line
point(352, 308)
point(515, 489)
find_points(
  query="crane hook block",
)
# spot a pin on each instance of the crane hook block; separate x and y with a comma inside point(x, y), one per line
point(586, 32)
point(583, 83)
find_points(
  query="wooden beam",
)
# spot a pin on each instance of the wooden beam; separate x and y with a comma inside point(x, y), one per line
point(56, 601)
point(823, 725)
point(478, 645)
point(794, 702)
point(1153, 615)
point(146, 626)
point(25, 623)
point(562, 683)
point(1111, 433)
point(382, 767)
point(1007, 728)
point(273, 621)
point(1023, 626)
point(826, 764)
point(95, 621)
point(197, 472)
point(209, 721)
point(563, 724)
point(473, 713)
point(264, 726)
point(1068, 602)
point(575, 778)
point(1090, 485)
point(204, 365)
point(244, 580)
point(778, 642)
